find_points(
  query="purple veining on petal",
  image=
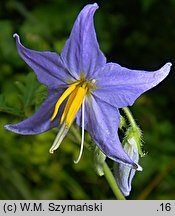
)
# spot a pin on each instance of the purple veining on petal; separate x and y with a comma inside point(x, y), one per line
point(81, 51)
point(120, 86)
point(40, 121)
point(116, 86)
point(48, 66)
point(102, 122)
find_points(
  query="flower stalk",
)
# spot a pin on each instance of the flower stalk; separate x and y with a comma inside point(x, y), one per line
point(84, 87)
point(130, 117)
point(112, 182)
point(106, 171)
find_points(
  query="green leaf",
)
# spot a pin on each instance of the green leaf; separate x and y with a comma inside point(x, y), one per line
point(6, 109)
point(27, 90)
point(40, 95)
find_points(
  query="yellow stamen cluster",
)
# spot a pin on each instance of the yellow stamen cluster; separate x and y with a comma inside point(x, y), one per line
point(75, 94)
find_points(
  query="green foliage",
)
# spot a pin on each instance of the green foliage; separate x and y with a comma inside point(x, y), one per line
point(26, 91)
point(5, 108)
point(136, 34)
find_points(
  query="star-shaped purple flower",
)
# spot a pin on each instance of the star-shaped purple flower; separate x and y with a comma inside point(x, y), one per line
point(83, 86)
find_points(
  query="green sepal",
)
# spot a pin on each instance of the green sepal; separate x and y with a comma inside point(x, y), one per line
point(134, 132)
point(123, 123)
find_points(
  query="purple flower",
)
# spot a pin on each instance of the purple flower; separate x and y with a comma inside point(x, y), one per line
point(83, 86)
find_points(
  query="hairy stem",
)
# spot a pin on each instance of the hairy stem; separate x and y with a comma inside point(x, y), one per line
point(130, 117)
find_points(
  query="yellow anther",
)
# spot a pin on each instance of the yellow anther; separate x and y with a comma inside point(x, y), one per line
point(62, 98)
point(84, 85)
point(75, 96)
point(69, 101)
point(75, 105)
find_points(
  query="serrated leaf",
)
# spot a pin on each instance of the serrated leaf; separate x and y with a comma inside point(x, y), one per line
point(6, 109)
point(40, 95)
point(27, 90)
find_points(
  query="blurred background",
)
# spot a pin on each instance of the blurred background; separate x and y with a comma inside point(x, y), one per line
point(138, 34)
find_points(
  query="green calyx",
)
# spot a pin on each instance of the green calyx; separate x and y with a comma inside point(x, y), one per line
point(132, 130)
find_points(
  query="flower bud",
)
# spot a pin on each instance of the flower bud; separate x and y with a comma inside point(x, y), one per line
point(124, 173)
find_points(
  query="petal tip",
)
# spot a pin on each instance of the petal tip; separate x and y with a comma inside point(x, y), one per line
point(126, 194)
point(162, 73)
point(95, 5)
point(168, 65)
point(138, 167)
point(12, 128)
point(15, 35)
point(9, 127)
point(6, 126)
point(92, 7)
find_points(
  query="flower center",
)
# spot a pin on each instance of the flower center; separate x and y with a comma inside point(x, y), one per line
point(75, 94)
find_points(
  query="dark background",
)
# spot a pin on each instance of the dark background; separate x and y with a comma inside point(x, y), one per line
point(138, 34)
